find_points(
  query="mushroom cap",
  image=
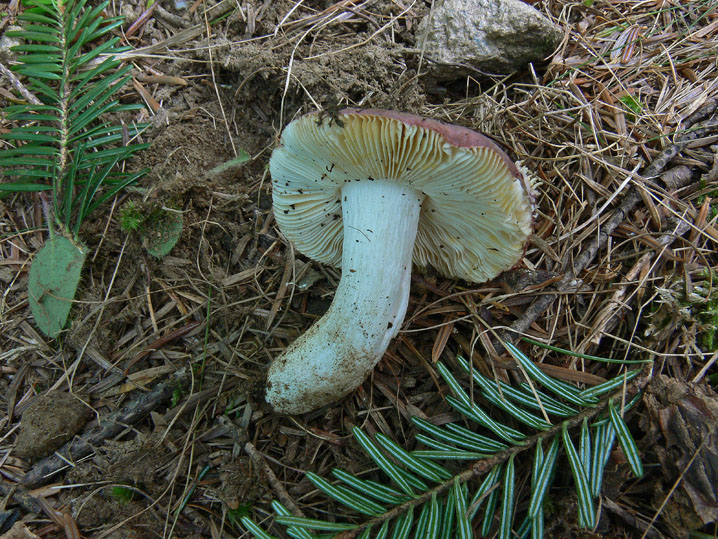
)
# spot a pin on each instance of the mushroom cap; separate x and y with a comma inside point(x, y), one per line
point(477, 212)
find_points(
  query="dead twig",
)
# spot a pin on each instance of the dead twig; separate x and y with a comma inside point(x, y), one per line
point(21, 496)
point(630, 518)
point(110, 426)
point(240, 437)
point(19, 86)
point(39, 506)
point(279, 489)
point(607, 319)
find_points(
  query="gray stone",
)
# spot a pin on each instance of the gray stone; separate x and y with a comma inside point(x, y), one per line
point(462, 37)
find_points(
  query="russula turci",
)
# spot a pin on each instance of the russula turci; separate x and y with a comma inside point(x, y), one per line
point(369, 191)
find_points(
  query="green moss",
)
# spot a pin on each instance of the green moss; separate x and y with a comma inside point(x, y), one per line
point(632, 105)
point(707, 312)
point(159, 227)
point(122, 494)
point(235, 515)
point(131, 217)
point(713, 211)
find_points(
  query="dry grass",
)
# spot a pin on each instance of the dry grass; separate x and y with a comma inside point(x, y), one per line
point(613, 97)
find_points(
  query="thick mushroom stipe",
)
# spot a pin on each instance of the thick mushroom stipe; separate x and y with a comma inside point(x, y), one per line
point(338, 352)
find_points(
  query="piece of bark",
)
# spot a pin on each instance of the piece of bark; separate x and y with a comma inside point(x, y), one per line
point(684, 427)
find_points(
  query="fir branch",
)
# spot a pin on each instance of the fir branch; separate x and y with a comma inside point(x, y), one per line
point(62, 142)
point(480, 467)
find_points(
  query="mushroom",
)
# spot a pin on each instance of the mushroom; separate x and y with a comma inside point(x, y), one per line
point(370, 191)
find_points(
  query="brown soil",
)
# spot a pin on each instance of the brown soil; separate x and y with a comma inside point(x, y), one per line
point(51, 420)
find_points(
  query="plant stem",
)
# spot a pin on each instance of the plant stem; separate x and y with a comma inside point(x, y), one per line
point(59, 183)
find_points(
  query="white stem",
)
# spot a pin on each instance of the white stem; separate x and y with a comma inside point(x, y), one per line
point(338, 352)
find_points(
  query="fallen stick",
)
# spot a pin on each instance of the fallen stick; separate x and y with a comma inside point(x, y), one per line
point(39, 506)
point(19, 86)
point(109, 427)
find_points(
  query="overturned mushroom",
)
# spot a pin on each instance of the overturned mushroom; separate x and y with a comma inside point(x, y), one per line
point(370, 191)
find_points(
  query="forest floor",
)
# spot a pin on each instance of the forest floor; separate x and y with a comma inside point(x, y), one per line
point(194, 332)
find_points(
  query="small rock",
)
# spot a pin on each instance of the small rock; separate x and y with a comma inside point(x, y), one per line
point(491, 36)
point(49, 422)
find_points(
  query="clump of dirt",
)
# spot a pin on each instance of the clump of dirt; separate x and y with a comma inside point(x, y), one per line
point(182, 153)
point(136, 463)
point(355, 68)
point(136, 472)
point(102, 509)
point(53, 419)
point(240, 485)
